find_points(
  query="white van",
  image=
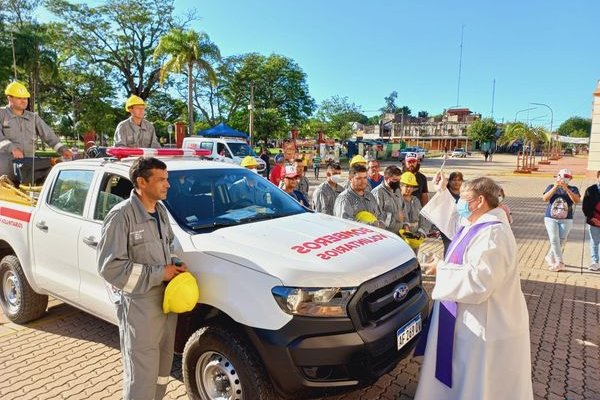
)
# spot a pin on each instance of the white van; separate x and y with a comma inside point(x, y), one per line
point(226, 149)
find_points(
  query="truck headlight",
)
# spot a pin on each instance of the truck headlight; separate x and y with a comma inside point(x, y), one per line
point(313, 302)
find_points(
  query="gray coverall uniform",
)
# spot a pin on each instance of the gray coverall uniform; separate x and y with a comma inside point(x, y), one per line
point(324, 197)
point(391, 204)
point(303, 185)
point(348, 204)
point(128, 134)
point(19, 131)
point(131, 258)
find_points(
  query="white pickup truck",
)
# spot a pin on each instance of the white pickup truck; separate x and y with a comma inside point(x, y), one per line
point(291, 301)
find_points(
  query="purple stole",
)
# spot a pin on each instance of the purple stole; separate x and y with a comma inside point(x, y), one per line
point(447, 312)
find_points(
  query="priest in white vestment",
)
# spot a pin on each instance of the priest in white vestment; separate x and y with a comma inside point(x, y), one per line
point(477, 345)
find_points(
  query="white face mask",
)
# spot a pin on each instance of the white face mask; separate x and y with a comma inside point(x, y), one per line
point(336, 178)
point(500, 198)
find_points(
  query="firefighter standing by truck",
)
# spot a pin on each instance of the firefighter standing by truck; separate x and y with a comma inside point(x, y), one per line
point(18, 130)
point(135, 257)
point(136, 131)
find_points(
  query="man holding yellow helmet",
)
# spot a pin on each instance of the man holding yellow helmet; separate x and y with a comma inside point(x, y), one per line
point(357, 198)
point(136, 131)
point(19, 128)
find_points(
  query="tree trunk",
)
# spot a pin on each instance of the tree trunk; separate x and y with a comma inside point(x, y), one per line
point(190, 101)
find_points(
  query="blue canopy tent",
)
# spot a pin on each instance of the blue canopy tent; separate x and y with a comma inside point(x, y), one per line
point(222, 130)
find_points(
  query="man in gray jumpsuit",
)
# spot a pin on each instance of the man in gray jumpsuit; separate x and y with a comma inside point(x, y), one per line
point(357, 198)
point(325, 194)
point(389, 198)
point(135, 257)
point(18, 130)
point(136, 131)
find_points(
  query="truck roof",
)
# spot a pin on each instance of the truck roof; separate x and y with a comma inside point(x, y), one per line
point(173, 163)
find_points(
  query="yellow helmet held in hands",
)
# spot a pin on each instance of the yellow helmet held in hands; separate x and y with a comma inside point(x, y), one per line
point(134, 101)
point(408, 178)
point(358, 159)
point(413, 240)
point(16, 89)
point(249, 162)
point(366, 217)
point(181, 294)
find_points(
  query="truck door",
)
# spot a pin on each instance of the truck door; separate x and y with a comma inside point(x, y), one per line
point(56, 227)
point(94, 292)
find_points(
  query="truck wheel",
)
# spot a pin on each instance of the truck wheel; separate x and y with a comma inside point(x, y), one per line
point(18, 300)
point(217, 364)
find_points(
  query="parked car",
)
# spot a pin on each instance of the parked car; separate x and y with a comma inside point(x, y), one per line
point(458, 152)
point(420, 152)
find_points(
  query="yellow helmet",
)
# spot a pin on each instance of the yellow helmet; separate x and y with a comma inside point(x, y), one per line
point(414, 241)
point(248, 162)
point(358, 159)
point(366, 217)
point(16, 89)
point(181, 294)
point(134, 101)
point(408, 178)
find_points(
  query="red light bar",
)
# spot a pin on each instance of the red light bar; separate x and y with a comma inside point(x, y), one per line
point(123, 152)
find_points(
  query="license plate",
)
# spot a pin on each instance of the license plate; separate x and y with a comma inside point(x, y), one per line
point(408, 331)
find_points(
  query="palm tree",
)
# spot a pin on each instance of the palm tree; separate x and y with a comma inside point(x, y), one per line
point(187, 49)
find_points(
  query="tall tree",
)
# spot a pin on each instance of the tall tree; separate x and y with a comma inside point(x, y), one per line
point(186, 50)
point(482, 130)
point(576, 124)
point(339, 112)
point(390, 103)
point(121, 34)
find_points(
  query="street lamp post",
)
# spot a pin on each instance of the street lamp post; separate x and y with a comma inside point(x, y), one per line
point(551, 119)
point(520, 111)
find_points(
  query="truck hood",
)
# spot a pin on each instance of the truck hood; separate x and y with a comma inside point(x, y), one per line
point(308, 250)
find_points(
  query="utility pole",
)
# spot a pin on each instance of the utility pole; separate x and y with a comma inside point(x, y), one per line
point(462, 31)
point(12, 40)
point(251, 112)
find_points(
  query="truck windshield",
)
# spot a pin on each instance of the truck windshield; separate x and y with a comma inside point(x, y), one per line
point(240, 149)
point(203, 199)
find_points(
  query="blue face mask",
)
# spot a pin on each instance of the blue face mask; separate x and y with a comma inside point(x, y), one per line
point(462, 207)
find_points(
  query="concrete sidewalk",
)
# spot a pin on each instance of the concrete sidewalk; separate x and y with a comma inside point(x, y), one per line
point(69, 354)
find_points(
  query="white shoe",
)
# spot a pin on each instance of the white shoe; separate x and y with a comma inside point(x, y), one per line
point(594, 267)
point(550, 260)
point(560, 266)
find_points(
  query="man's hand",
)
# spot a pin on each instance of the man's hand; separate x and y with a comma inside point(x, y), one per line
point(439, 181)
point(595, 221)
point(172, 270)
point(17, 153)
point(430, 268)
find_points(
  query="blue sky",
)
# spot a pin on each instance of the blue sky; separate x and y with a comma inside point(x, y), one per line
point(543, 51)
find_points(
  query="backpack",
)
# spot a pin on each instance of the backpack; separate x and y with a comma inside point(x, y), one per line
point(559, 209)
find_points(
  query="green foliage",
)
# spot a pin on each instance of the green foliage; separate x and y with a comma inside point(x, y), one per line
point(390, 103)
point(119, 34)
point(186, 50)
point(483, 130)
point(580, 134)
point(338, 113)
point(423, 114)
point(576, 124)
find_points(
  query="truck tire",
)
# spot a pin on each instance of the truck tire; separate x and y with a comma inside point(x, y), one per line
point(18, 300)
point(218, 364)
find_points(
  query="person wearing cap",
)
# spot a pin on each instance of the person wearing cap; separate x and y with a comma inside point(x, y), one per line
point(558, 217)
point(412, 164)
point(373, 176)
point(19, 129)
point(390, 200)
point(325, 194)
point(290, 184)
point(136, 255)
point(357, 198)
point(135, 131)
point(357, 160)
point(591, 210)
point(278, 170)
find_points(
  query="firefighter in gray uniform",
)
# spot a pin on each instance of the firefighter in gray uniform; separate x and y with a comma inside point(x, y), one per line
point(135, 256)
point(136, 131)
point(357, 198)
point(325, 194)
point(19, 128)
point(389, 198)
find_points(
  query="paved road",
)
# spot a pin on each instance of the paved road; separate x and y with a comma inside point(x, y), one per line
point(71, 355)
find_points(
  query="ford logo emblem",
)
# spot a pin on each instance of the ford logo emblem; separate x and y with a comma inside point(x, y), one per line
point(400, 292)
